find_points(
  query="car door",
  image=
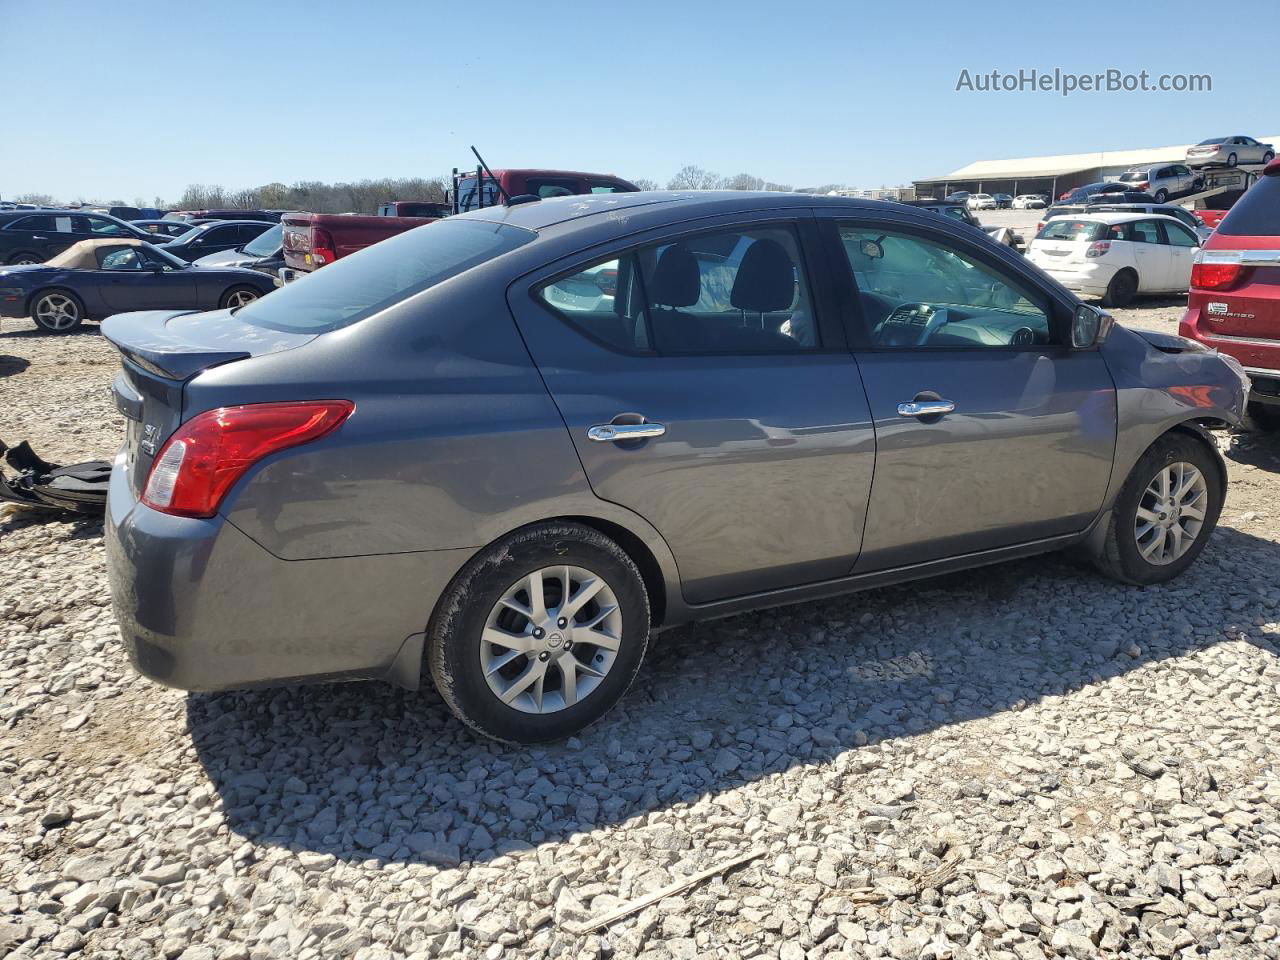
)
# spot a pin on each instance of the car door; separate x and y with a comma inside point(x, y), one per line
point(706, 389)
point(1151, 259)
point(128, 278)
point(42, 235)
point(991, 431)
point(1181, 246)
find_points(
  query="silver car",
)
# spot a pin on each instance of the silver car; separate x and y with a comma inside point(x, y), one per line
point(1229, 151)
point(503, 451)
point(1164, 181)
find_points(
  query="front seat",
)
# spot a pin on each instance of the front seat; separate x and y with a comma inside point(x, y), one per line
point(766, 282)
point(676, 282)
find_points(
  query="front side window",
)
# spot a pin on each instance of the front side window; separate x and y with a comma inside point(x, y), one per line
point(920, 293)
point(102, 227)
point(382, 275)
point(127, 258)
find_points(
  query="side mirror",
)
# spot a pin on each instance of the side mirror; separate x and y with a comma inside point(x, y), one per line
point(1090, 326)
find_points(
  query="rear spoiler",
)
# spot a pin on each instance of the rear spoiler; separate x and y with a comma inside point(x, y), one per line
point(144, 339)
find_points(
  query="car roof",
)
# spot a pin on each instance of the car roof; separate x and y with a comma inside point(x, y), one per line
point(688, 204)
point(1122, 217)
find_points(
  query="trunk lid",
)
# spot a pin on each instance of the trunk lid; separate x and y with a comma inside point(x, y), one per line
point(162, 350)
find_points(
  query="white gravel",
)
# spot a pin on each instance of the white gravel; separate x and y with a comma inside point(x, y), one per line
point(1021, 762)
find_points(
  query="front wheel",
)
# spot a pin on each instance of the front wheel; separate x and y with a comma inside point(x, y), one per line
point(238, 297)
point(540, 634)
point(1121, 290)
point(24, 258)
point(1268, 157)
point(1165, 513)
point(57, 311)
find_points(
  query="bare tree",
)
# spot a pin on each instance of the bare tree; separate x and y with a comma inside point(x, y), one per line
point(644, 184)
point(779, 187)
point(39, 199)
point(744, 181)
point(692, 177)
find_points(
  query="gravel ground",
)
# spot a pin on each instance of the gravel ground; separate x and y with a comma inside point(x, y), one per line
point(1019, 762)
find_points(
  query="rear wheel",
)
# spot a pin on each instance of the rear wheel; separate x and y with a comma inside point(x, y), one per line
point(1232, 160)
point(540, 634)
point(1165, 513)
point(23, 257)
point(1121, 290)
point(57, 311)
point(1268, 157)
point(238, 297)
point(1162, 195)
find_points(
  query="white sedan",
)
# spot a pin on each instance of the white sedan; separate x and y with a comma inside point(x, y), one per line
point(1113, 257)
point(1029, 201)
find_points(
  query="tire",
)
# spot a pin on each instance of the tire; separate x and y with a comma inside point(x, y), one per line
point(238, 296)
point(1122, 558)
point(23, 257)
point(1264, 417)
point(1121, 290)
point(1161, 195)
point(1232, 160)
point(57, 310)
point(478, 601)
point(1268, 157)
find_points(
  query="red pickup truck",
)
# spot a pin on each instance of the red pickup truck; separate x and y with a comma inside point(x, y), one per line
point(537, 183)
point(313, 239)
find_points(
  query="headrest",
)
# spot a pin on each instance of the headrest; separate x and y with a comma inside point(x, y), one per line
point(676, 281)
point(766, 278)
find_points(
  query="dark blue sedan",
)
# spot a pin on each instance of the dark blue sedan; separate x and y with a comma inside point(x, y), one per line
point(96, 278)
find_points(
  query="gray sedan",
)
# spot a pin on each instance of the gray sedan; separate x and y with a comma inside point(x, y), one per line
point(1229, 151)
point(504, 450)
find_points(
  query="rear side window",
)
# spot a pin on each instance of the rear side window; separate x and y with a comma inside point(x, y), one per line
point(383, 274)
point(1064, 228)
point(1257, 213)
point(52, 224)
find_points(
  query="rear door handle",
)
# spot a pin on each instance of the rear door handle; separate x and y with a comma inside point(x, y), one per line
point(613, 432)
point(925, 408)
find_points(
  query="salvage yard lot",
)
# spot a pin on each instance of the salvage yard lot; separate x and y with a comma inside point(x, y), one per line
point(1020, 761)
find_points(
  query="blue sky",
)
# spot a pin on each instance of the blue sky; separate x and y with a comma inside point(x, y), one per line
point(151, 96)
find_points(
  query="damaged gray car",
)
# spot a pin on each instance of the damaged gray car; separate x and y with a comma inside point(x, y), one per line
point(502, 451)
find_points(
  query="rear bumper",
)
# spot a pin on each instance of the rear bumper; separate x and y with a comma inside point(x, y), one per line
point(202, 607)
point(1088, 281)
point(1260, 357)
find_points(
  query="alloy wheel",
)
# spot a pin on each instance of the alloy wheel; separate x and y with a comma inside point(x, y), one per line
point(239, 298)
point(56, 311)
point(1170, 513)
point(550, 639)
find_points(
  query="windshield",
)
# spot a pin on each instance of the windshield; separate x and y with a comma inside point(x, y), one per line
point(467, 194)
point(187, 235)
point(160, 254)
point(381, 275)
point(267, 243)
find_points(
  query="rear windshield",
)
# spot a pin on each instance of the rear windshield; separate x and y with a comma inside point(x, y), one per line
point(1065, 228)
point(1257, 213)
point(379, 276)
point(1134, 176)
point(467, 199)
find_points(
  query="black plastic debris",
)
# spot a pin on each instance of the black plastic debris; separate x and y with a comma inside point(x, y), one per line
point(79, 487)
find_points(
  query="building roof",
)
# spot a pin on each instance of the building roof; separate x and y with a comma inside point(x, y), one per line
point(1056, 166)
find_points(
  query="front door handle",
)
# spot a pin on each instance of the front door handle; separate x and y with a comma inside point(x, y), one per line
point(925, 408)
point(613, 432)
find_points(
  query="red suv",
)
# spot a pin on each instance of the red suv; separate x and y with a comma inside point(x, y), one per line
point(1234, 302)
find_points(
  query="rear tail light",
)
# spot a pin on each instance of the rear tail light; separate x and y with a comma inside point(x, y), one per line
point(1098, 248)
point(1140, 186)
point(207, 455)
point(322, 248)
point(1216, 270)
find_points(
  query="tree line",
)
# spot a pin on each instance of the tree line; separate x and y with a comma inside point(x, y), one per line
point(364, 196)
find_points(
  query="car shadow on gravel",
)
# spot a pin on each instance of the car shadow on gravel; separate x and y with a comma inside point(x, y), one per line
point(365, 771)
point(11, 365)
point(1260, 449)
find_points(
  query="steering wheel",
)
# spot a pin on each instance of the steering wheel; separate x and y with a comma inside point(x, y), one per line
point(901, 320)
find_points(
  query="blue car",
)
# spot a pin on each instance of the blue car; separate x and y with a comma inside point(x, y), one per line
point(96, 278)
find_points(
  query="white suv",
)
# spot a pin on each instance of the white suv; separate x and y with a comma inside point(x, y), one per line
point(981, 201)
point(1115, 256)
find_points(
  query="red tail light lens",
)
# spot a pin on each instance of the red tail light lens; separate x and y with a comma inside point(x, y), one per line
point(1098, 248)
point(207, 455)
point(322, 248)
point(1215, 276)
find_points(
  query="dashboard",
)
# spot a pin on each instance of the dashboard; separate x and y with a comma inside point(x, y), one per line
point(915, 324)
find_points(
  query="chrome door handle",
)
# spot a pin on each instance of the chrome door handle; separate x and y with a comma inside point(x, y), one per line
point(613, 432)
point(925, 408)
